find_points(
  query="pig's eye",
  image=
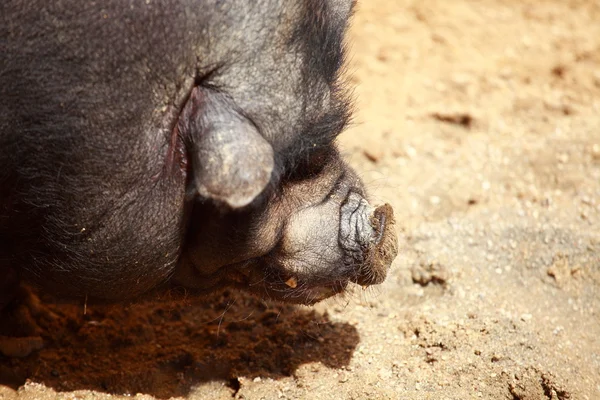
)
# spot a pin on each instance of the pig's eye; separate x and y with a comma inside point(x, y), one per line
point(311, 164)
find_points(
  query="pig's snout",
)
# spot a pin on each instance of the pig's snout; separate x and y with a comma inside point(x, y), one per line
point(368, 238)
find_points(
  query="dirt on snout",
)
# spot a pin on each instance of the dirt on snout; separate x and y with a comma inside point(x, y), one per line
point(479, 122)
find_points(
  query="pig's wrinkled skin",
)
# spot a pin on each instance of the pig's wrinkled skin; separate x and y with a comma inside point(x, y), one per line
point(184, 141)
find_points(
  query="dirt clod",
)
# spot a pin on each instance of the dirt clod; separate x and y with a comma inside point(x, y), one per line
point(463, 119)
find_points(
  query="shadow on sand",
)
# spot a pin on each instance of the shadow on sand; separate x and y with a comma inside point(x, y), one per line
point(165, 347)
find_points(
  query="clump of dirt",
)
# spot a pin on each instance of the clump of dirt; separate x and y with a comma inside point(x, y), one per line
point(431, 272)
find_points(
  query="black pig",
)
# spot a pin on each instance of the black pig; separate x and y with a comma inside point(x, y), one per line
point(189, 141)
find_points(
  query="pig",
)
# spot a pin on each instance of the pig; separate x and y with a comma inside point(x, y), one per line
point(181, 142)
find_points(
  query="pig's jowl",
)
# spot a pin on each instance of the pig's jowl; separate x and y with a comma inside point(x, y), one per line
point(181, 141)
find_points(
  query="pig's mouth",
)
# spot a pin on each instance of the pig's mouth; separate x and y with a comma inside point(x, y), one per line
point(264, 277)
point(272, 283)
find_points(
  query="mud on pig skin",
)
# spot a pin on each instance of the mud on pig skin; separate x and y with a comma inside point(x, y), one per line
point(181, 141)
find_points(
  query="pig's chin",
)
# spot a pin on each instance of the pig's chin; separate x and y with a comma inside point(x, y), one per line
point(259, 277)
point(275, 284)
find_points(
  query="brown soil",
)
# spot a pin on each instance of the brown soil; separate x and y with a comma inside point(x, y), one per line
point(480, 123)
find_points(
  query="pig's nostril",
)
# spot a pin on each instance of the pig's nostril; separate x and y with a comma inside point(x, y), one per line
point(379, 219)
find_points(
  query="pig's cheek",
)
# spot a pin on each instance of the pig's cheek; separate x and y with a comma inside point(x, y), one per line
point(310, 243)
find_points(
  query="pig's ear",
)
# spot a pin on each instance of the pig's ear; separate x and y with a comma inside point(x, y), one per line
point(231, 162)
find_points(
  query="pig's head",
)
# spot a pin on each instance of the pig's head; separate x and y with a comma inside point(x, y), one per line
point(301, 240)
point(274, 209)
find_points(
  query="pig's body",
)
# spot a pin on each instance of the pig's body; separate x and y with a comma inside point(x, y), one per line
point(143, 141)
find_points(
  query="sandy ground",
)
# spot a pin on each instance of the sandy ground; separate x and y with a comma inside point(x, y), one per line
point(479, 121)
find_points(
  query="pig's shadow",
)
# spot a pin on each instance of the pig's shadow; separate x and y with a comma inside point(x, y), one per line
point(165, 347)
